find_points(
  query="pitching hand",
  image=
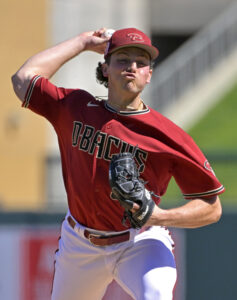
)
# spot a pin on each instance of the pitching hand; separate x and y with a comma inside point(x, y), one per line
point(95, 41)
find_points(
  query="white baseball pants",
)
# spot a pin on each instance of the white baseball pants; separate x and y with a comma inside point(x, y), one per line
point(144, 266)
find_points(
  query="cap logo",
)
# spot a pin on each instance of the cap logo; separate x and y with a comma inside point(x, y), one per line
point(135, 37)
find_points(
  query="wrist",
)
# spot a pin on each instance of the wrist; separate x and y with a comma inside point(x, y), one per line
point(83, 42)
point(77, 44)
point(158, 217)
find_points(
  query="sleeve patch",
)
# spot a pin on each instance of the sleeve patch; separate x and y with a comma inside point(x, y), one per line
point(208, 167)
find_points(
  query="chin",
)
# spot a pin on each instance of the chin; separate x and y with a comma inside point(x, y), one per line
point(133, 88)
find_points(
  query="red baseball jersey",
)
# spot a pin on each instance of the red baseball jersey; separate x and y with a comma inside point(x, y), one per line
point(90, 131)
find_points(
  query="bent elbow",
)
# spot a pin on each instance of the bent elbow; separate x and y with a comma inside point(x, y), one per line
point(20, 85)
point(217, 213)
point(16, 83)
point(14, 80)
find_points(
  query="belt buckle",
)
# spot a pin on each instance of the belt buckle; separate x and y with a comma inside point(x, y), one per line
point(91, 235)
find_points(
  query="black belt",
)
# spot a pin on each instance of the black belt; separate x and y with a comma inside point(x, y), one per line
point(102, 240)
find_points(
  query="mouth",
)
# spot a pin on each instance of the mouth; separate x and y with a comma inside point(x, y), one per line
point(129, 75)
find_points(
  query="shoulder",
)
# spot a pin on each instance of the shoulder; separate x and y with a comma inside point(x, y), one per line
point(169, 128)
point(164, 122)
point(47, 86)
point(81, 96)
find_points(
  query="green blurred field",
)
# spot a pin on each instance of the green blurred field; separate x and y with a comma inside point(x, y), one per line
point(216, 135)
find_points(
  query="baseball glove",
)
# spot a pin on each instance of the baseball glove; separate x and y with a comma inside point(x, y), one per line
point(128, 188)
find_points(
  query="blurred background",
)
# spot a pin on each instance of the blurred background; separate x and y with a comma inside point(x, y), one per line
point(194, 84)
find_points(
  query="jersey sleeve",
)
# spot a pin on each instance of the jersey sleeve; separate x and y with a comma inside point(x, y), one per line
point(194, 174)
point(44, 98)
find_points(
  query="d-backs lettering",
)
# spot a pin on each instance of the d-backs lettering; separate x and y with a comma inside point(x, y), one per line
point(87, 139)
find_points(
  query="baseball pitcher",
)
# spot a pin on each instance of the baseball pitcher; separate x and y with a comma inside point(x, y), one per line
point(118, 156)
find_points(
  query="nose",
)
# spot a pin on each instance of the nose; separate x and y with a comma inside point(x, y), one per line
point(132, 66)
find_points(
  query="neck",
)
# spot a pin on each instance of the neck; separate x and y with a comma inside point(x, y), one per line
point(126, 104)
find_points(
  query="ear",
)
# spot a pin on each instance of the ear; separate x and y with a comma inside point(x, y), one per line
point(149, 76)
point(105, 69)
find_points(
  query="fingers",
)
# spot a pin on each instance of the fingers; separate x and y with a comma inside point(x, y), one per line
point(99, 32)
point(135, 207)
point(94, 42)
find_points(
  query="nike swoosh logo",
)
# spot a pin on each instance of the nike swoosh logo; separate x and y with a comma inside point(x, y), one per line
point(91, 104)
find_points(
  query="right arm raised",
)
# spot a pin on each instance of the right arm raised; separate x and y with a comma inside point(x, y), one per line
point(47, 62)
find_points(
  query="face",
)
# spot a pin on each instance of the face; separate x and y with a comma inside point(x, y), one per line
point(129, 70)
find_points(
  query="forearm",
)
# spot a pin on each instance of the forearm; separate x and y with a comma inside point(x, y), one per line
point(195, 213)
point(47, 62)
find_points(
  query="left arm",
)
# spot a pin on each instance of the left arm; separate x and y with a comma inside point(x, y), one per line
point(195, 213)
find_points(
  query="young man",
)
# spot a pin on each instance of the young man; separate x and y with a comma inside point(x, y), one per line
point(95, 247)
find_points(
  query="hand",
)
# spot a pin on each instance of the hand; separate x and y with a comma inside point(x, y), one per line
point(153, 218)
point(94, 41)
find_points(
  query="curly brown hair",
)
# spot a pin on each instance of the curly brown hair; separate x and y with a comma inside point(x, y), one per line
point(100, 78)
